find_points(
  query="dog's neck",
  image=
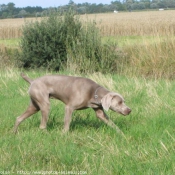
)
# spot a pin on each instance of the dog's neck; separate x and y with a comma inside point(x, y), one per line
point(98, 96)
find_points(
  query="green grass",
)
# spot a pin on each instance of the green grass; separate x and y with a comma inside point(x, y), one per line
point(121, 41)
point(126, 41)
point(91, 146)
point(10, 42)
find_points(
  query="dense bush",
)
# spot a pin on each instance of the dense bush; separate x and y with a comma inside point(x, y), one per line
point(64, 41)
point(44, 42)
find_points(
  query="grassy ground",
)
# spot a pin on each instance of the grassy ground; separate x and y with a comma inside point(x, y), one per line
point(10, 42)
point(129, 41)
point(90, 147)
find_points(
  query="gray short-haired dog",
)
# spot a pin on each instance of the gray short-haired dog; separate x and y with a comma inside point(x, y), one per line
point(76, 93)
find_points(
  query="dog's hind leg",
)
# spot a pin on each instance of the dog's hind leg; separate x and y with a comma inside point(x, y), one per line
point(32, 109)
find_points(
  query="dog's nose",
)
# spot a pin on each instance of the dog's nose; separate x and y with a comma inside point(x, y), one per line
point(129, 110)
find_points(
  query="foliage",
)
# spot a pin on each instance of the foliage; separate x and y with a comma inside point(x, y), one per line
point(10, 11)
point(44, 43)
point(60, 41)
point(148, 44)
point(88, 54)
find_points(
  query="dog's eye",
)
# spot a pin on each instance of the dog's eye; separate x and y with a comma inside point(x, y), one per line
point(120, 102)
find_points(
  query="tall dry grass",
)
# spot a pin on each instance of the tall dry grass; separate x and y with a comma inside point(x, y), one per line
point(151, 59)
point(110, 24)
point(153, 55)
point(135, 23)
point(11, 28)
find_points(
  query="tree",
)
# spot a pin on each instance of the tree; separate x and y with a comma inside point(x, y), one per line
point(153, 5)
point(72, 5)
point(169, 3)
point(22, 13)
point(129, 4)
point(81, 10)
point(4, 15)
point(141, 5)
point(3, 7)
point(134, 6)
point(147, 3)
point(71, 2)
point(10, 7)
point(117, 5)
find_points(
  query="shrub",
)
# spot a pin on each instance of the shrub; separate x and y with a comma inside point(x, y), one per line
point(58, 42)
point(43, 42)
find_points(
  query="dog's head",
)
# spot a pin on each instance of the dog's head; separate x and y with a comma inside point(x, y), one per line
point(115, 102)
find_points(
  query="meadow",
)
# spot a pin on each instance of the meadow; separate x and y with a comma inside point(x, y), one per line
point(146, 39)
point(91, 147)
point(146, 80)
point(110, 24)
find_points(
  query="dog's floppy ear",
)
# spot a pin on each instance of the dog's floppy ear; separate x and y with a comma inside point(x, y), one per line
point(106, 101)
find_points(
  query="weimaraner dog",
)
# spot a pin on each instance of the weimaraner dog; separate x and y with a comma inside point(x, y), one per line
point(76, 93)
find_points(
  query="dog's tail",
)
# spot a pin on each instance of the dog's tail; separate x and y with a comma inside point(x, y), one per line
point(26, 78)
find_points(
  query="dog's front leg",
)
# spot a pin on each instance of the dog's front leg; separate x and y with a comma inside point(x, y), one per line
point(67, 117)
point(103, 116)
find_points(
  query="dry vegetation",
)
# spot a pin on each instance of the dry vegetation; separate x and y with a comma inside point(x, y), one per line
point(137, 23)
point(11, 28)
point(110, 24)
point(153, 51)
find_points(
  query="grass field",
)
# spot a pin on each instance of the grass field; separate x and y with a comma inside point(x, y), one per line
point(91, 147)
point(110, 24)
point(147, 83)
point(146, 39)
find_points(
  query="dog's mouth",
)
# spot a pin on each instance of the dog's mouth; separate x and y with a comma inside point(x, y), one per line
point(125, 112)
point(122, 113)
